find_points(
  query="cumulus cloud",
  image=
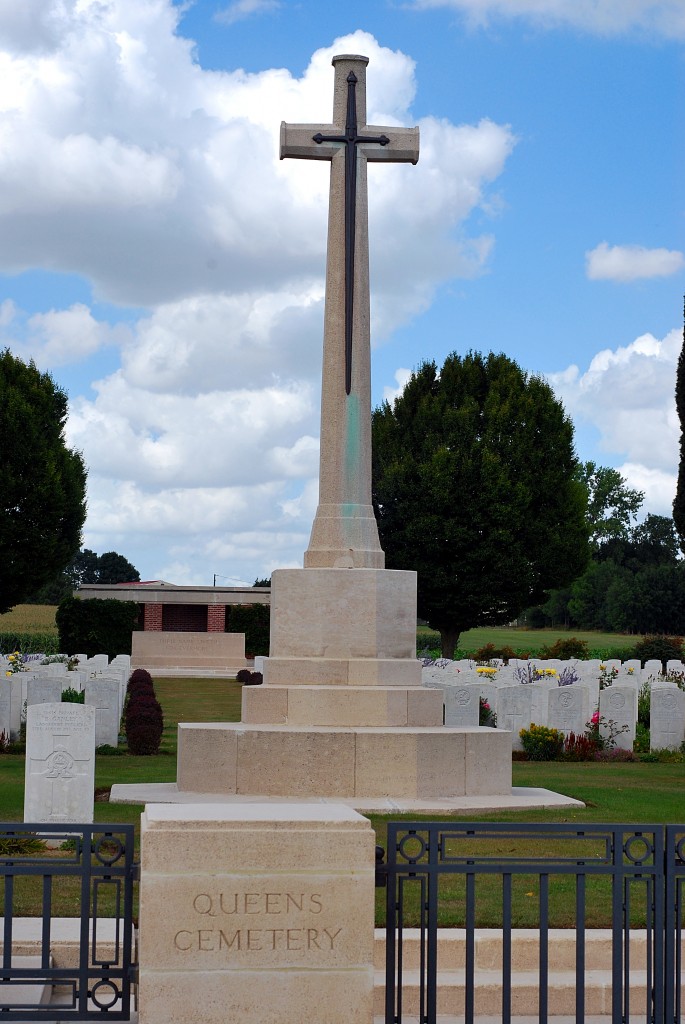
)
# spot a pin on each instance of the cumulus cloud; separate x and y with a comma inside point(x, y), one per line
point(124, 161)
point(603, 17)
point(627, 394)
point(58, 337)
point(631, 262)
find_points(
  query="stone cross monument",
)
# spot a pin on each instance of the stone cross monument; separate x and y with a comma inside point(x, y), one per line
point(342, 712)
point(344, 534)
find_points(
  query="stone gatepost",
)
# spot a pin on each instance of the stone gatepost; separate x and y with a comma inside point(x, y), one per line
point(256, 912)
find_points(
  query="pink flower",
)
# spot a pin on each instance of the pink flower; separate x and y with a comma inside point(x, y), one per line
point(595, 718)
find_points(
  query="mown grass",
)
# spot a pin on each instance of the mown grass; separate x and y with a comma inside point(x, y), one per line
point(623, 792)
point(531, 640)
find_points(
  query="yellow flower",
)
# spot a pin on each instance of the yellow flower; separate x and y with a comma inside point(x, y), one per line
point(9, 673)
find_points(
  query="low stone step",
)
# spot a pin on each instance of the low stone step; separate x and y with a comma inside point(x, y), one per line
point(525, 952)
point(24, 994)
point(525, 993)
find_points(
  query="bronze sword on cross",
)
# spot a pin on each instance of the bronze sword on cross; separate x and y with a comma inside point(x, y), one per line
point(344, 531)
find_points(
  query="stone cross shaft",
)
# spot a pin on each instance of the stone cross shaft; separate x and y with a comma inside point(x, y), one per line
point(344, 534)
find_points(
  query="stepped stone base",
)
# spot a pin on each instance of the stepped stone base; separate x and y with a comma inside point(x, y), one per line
point(350, 706)
point(304, 761)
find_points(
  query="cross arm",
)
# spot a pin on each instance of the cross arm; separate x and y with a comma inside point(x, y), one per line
point(297, 140)
point(403, 146)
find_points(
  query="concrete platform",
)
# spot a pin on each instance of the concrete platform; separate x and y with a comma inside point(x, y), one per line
point(520, 799)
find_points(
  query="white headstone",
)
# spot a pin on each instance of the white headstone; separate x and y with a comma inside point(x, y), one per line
point(461, 706)
point(652, 668)
point(666, 718)
point(618, 705)
point(568, 709)
point(103, 695)
point(45, 690)
point(514, 711)
point(60, 763)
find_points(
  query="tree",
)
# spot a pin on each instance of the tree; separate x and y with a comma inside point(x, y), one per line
point(114, 568)
point(475, 486)
point(679, 500)
point(43, 508)
point(86, 567)
point(611, 505)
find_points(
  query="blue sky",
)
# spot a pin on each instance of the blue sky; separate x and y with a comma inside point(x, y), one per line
point(161, 262)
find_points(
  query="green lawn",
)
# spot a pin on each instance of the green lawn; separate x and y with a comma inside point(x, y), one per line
point(631, 793)
point(531, 640)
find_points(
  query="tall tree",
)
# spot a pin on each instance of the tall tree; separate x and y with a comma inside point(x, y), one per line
point(679, 500)
point(114, 568)
point(475, 487)
point(42, 496)
point(612, 505)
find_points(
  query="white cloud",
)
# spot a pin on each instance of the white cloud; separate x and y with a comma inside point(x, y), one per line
point(122, 160)
point(628, 395)
point(402, 376)
point(631, 262)
point(658, 487)
point(604, 17)
point(240, 9)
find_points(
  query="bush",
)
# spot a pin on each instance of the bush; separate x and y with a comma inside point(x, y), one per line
point(641, 742)
point(565, 648)
point(96, 627)
point(243, 675)
point(490, 651)
point(663, 648)
point(254, 620)
point(256, 679)
point(486, 716)
point(542, 743)
point(144, 723)
point(72, 696)
point(582, 747)
point(139, 677)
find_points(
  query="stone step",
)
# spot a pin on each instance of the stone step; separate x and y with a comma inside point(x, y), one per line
point(21, 993)
point(525, 993)
point(525, 948)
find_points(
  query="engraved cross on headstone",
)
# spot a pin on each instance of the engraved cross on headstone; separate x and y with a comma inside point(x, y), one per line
point(59, 768)
point(344, 534)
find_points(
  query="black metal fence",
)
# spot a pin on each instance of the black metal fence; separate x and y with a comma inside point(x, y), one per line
point(534, 905)
point(85, 872)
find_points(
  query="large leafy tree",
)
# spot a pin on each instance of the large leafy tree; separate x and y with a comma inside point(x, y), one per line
point(612, 505)
point(42, 495)
point(86, 567)
point(475, 486)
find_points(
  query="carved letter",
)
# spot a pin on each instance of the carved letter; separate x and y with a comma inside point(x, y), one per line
point(177, 942)
point(235, 941)
point(293, 899)
point(273, 902)
point(202, 904)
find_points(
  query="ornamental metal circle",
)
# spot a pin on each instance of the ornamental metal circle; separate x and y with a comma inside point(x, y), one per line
point(106, 998)
point(412, 847)
point(638, 848)
point(680, 849)
point(108, 849)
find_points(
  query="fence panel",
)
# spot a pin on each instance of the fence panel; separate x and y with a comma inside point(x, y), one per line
point(77, 871)
point(517, 891)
